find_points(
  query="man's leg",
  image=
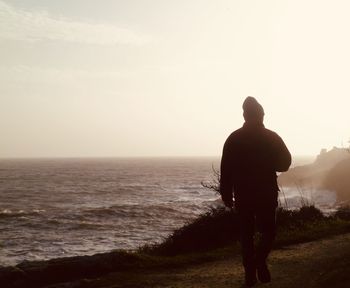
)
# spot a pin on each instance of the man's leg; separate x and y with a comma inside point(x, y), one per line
point(266, 222)
point(247, 225)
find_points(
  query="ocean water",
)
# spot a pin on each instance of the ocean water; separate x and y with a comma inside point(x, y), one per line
point(64, 207)
point(53, 208)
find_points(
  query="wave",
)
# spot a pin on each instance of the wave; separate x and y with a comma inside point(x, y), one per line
point(129, 211)
point(8, 213)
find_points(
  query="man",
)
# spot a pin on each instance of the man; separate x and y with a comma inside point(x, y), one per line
point(251, 157)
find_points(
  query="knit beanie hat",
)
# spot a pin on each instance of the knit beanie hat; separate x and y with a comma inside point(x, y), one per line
point(252, 109)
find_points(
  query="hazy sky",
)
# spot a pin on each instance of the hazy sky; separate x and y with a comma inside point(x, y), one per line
point(168, 78)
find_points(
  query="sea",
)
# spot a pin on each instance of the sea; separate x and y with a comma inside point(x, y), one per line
point(52, 208)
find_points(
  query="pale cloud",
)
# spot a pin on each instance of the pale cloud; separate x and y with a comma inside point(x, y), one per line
point(24, 25)
point(27, 74)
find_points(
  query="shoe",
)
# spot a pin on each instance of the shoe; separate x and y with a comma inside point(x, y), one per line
point(263, 273)
point(250, 278)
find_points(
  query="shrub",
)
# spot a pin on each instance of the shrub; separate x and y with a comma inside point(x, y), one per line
point(213, 229)
point(305, 214)
point(309, 214)
point(343, 213)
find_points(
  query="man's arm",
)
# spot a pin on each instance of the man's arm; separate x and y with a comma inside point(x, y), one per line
point(283, 157)
point(226, 176)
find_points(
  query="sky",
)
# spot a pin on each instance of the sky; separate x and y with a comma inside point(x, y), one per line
point(109, 78)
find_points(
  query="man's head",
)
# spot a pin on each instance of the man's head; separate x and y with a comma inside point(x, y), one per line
point(252, 110)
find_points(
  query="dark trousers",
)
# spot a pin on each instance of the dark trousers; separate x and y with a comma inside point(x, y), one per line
point(264, 219)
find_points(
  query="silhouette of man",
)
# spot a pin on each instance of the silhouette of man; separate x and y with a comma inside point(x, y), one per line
point(251, 157)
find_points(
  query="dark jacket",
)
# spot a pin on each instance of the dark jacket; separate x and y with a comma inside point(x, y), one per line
point(251, 157)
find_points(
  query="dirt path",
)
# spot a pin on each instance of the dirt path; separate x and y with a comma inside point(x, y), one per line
point(324, 263)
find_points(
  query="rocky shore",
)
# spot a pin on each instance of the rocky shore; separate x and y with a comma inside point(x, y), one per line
point(42, 273)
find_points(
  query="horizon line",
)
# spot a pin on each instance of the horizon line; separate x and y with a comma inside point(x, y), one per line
point(125, 157)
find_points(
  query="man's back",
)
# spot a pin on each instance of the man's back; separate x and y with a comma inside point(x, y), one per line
point(251, 157)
